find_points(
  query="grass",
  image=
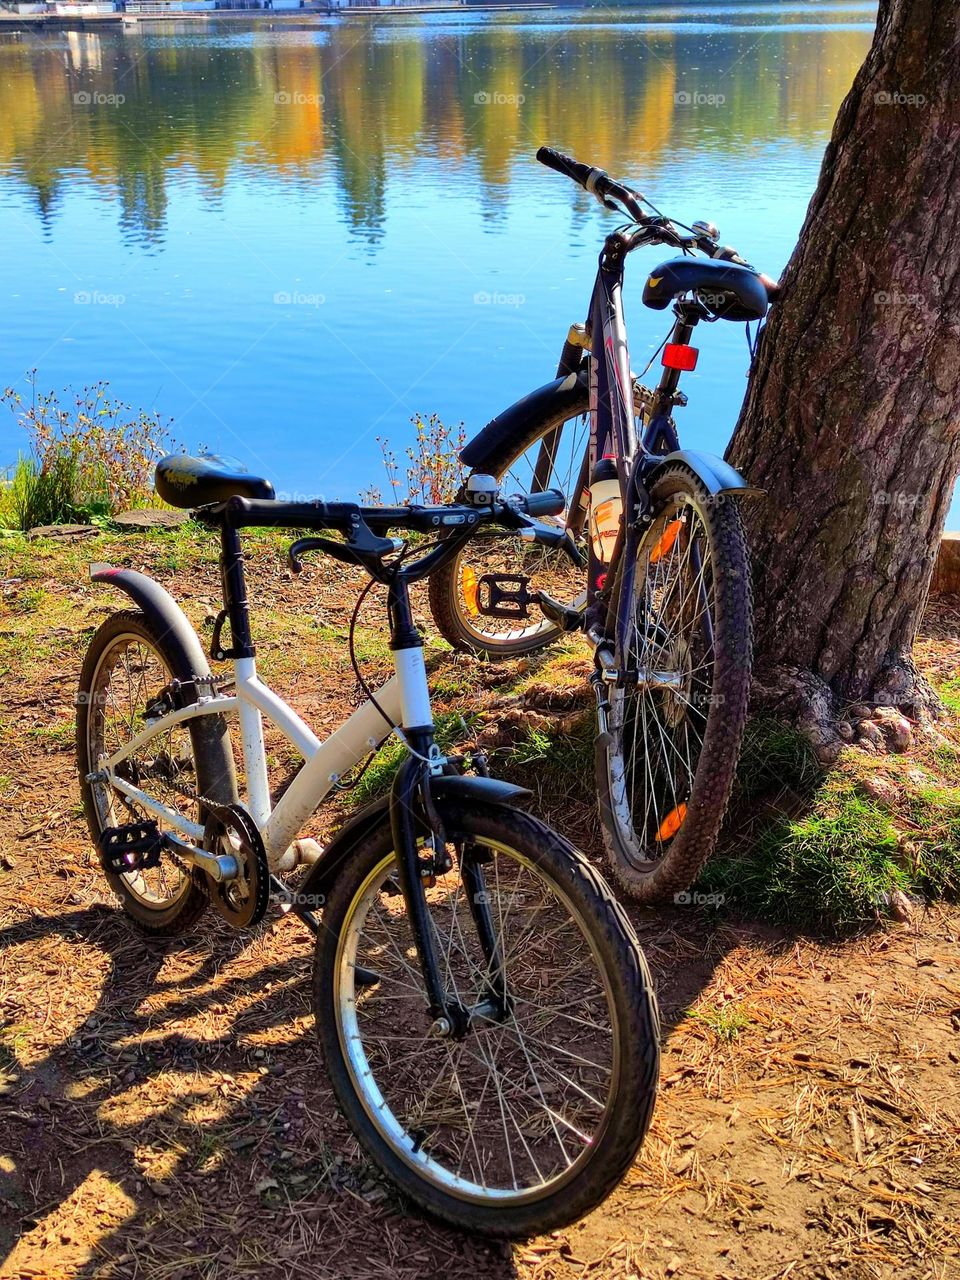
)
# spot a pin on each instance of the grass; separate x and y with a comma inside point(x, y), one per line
point(377, 777)
point(815, 852)
point(90, 456)
point(727, 1021)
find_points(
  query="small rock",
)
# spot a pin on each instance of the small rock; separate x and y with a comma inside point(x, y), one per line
point(898, 732)
point(880, 789)
point(867, 729)
point(827, 752)
point(149, 518)
point(901, 906)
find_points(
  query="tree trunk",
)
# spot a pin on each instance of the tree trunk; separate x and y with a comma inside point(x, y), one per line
point(851, 419)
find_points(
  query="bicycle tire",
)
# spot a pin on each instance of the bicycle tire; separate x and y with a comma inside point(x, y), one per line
point(656, 881)
point(445, 593)
point(629, 1105)
point(212, 759)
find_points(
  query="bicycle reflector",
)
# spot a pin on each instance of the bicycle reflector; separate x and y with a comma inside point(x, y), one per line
point(677, 355)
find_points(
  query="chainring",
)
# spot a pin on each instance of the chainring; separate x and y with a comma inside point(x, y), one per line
point(242, 902)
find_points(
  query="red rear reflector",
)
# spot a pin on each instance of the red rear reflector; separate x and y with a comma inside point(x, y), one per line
point(678, 356)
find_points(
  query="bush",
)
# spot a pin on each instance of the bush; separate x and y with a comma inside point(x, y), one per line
point(93, 458)
point(434, 473)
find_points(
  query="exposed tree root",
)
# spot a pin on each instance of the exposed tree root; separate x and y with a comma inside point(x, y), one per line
point(901, 705)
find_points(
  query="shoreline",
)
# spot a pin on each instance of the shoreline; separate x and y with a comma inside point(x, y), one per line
point(78, 21)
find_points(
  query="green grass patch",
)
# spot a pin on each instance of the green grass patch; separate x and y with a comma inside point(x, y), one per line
point(727, 1021)
point(382, 769)
point(830, 858)
point(775, 757)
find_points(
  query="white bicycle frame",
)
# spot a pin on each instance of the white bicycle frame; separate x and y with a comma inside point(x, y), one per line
point(404, 699)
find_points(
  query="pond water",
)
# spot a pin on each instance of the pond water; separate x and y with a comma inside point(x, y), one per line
point(291, 239)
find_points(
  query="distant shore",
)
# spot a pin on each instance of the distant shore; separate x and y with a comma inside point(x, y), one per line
point(160, 14)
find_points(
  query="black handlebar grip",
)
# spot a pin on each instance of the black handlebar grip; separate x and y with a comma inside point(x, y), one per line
point(548, 503)
point(566, 165)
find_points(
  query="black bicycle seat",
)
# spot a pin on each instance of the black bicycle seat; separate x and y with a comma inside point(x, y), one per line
point(729, 291)
point(184, 481)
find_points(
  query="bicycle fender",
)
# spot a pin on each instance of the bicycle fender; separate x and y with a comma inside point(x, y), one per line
point(563, 393)
point(716, 476)
point(446, 790)
point(164, 614)
point(187, 659)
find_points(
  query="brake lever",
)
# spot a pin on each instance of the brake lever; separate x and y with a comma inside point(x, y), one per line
point(550, 536)
point(363, 552)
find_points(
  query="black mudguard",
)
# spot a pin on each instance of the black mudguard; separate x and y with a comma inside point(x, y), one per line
point(186, 658)
point(716, 476)
point(514, 423)
point(450, 791)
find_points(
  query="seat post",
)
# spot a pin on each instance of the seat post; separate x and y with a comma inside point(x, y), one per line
point(234, 587)
point(243, 653)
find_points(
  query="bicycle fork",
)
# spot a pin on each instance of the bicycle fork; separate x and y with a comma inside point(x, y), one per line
point(420, 839)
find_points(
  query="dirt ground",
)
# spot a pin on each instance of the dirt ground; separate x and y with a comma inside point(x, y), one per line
point(164, 1110)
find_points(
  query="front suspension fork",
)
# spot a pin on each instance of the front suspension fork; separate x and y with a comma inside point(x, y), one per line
point(411, 806)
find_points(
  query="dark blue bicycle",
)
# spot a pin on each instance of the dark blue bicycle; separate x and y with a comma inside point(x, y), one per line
point(655, 572)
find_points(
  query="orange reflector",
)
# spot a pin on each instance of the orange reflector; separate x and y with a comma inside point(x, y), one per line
point(666, 540)
point(677, 355)
point(672, 823)
point(470, 586)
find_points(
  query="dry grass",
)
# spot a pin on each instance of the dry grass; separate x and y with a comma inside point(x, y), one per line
point(165, 1115)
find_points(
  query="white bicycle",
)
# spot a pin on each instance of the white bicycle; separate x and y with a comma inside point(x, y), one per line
point(482, 1002)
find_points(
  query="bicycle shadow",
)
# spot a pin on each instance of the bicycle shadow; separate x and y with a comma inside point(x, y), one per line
point(102, 1181)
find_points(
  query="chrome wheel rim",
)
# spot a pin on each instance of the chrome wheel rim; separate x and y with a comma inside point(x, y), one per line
point(129, 672)
point(506, 1085)
point(657, 734)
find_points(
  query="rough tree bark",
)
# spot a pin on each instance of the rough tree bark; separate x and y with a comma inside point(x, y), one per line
point(851, 418)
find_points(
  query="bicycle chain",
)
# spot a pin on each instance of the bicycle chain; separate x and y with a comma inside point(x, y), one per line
point(219, 684)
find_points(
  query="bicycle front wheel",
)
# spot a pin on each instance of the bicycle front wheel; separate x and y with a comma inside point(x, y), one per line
point(529, 1118)
point(666, 765)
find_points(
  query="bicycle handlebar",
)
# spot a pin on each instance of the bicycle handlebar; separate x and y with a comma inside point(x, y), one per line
point(567, 166)
point(346, 517)
point(606, 189)
point(596, 181)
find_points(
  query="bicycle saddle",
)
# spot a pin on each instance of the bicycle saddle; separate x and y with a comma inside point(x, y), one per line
point(184, 481)
point(729, 291)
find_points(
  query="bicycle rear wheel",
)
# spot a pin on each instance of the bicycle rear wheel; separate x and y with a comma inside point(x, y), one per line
point(666, 765)
point(531, 1118)
point(126, 665)
point(557, 444)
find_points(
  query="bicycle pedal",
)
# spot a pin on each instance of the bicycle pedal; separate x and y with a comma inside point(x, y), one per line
point(134, 847)
point(562, 615)
point(504, 595)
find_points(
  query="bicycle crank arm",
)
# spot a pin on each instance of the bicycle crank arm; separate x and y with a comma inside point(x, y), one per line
point(219, 867)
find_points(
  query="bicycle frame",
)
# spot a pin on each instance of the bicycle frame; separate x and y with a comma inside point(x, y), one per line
point(324, 762)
